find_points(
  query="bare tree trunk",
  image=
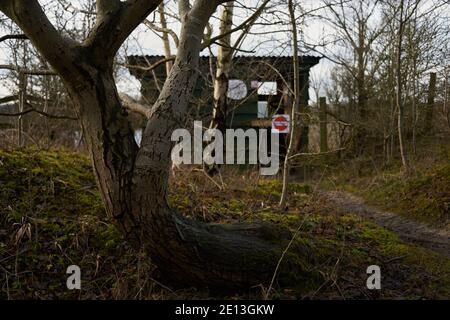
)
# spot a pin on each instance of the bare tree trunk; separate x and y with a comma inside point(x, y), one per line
point(400, 107)
point(430, 103)
point(185, 251)
point(323, 124)
point(362, 132)
point(414, 59)
point(133, 185)
point(392, 131)
point(191, 252)
point(165, 37)
point(22, 97)
point(391, 127)
point(133, 181)
point(446, 98)
point(295, 105)
point(48, 139)
point(224, 58)
point(414, 107)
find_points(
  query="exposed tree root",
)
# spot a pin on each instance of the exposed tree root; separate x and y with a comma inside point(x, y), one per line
point(222, 257)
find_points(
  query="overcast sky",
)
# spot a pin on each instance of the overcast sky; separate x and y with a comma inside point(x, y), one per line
point(271, 35)
point(267, 40)
point(264, 40)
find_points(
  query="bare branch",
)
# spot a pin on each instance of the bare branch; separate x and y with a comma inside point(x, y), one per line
point(172, 33)
point(243, 25)
point(151, 67)
point(45, 114)
point(42, 72)
point(134, 106)
point(183, 7)
point(29, 16)
point(115, 25)
point(13, 36)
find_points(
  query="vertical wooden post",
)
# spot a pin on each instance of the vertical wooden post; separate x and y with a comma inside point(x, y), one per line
point(47, 97)
point(430, 103)
point(323, 124)
point(446, 97)
point(22, 92)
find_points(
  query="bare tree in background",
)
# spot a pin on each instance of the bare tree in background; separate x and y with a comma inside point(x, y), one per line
point(398, 100)
point(295, 102)
point(356, 33)
point(224, 58)
point(37, 102)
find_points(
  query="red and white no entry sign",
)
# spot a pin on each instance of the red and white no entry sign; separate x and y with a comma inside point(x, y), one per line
point(280, 123)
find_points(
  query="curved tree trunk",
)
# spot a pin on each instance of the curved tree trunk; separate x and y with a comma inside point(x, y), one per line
point(133, 181)
point(133, 184)
point(188, 251)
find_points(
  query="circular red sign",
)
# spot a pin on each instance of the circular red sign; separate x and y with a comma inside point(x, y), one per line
point(280, 123)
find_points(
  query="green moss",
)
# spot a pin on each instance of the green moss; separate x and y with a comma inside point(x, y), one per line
point(424, 197)
point(273, 188)
point(354, 245)
point(47, 182)
point(55, 192)
point(268, 187)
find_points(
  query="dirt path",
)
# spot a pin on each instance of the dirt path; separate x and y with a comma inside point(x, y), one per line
point(408, 230)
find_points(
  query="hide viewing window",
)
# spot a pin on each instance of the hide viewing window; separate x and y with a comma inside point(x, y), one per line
point(268, 88)
point(237, 90)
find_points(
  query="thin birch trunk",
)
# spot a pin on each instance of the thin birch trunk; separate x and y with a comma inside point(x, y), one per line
point(295, 106)
point(165, 37)
point(399, 102)
point(224, 58)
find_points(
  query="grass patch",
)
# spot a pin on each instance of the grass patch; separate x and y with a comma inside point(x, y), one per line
point(51, 217)
point(423, 196)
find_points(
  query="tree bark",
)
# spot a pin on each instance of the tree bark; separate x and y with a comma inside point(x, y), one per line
point(133, 181)
point(323, 125)
point(295, 104)
point(165, 37)
point(224, 58)
point(430, 103)
point(362, 134)
point(399, 93)
point(210, 255)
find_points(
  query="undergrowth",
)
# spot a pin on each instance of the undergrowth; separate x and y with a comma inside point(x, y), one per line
point(424, 195)
point(51, 216)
